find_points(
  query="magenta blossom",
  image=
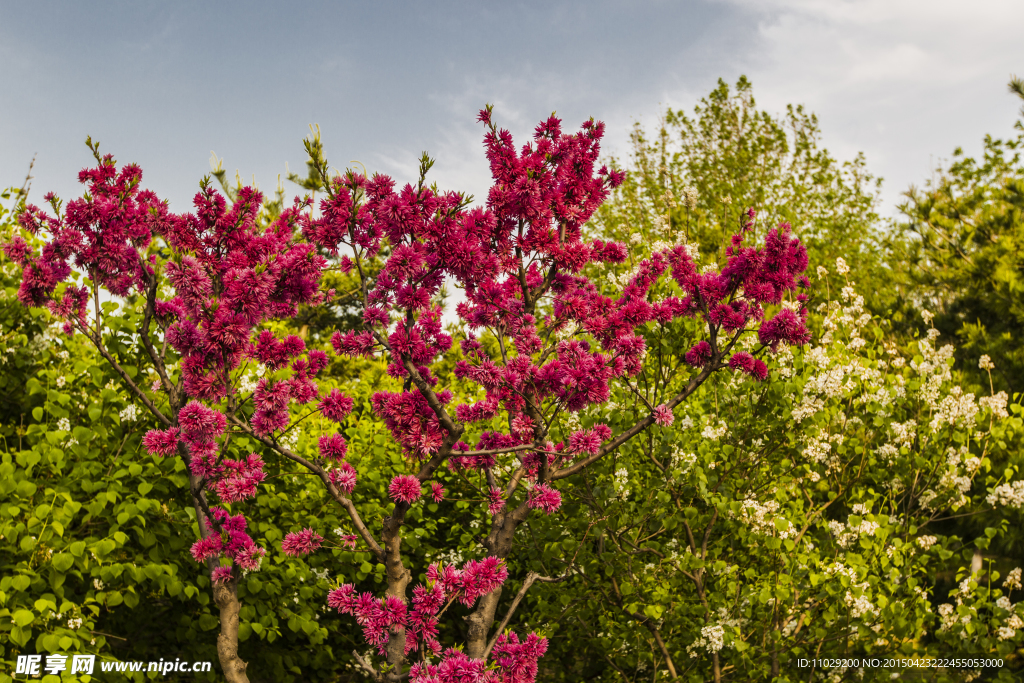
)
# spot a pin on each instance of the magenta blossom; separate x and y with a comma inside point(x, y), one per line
point(545, 498)
point(336, 406)
point(436, 492)
point(405, 488)
point(333, 447)
point(301, 543)
point(344, 477)
point(221, 574)
point(699, 355)
point(663, 415)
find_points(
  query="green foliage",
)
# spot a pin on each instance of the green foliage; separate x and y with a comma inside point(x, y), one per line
point(809, 516)
point(962, 253)
point(695, 177)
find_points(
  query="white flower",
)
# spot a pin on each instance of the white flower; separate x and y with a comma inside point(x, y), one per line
point(622, 480)
point(636, 238)
point(927, 316)
point(996, 403)
point(927, 542)
point(690, 196)
point(1012, 581)
point(841, 266)
point(822, 272)
point(712, 639)
point(129, 413)
point(715, 432)
point(97, 584)
point(1011, 495)
point(60, 382)
point(64, 424)
point(985, 363)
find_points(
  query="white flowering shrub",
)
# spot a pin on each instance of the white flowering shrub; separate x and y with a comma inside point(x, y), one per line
point(811, 516)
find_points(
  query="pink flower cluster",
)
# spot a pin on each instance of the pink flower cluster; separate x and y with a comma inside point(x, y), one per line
point(382, 617)
point(301, 543)
point(228, 538)
point(198, 429)
point(515, 662)
point(230, 273)
point(101, 234)
point(405, 488)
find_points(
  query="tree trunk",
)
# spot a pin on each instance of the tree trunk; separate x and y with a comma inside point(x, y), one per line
point(225, 596)
point(480, 622)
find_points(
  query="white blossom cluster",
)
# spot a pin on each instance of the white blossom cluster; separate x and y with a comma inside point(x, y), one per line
point(712, 639)
point(934, 369)
point(860, 606)
point(760, 518)
point(1007, 495)
point(682, 461)
point(904, 432)
point(623, 279)
point(621, 480)
point(995, 403)
point(818, 449)
point(689, 197)
point(290, 440)
point(848, 533)
point(950, 617)
point(250, 380)
point(565, 332)
point(129, 413)
point(715, 432)
point(956, 409)
point(1012, 581)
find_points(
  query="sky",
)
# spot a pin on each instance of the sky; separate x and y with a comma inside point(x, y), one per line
point(165, 84)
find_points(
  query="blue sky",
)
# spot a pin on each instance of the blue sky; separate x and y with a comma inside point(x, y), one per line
point(164, 84)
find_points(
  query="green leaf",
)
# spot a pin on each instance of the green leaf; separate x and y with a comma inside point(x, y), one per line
point(23, 617)
point(20, 636)
point(50, 642)
point(62, 562)
point(37, 414)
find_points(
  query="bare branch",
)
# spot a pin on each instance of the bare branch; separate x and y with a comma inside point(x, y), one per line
point(336, 494)
point(530, 579)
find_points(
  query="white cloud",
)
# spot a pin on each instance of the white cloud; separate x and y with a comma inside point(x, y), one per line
point(905, 81)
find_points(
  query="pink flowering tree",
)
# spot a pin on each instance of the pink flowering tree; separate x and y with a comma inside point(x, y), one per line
point(537, 341)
